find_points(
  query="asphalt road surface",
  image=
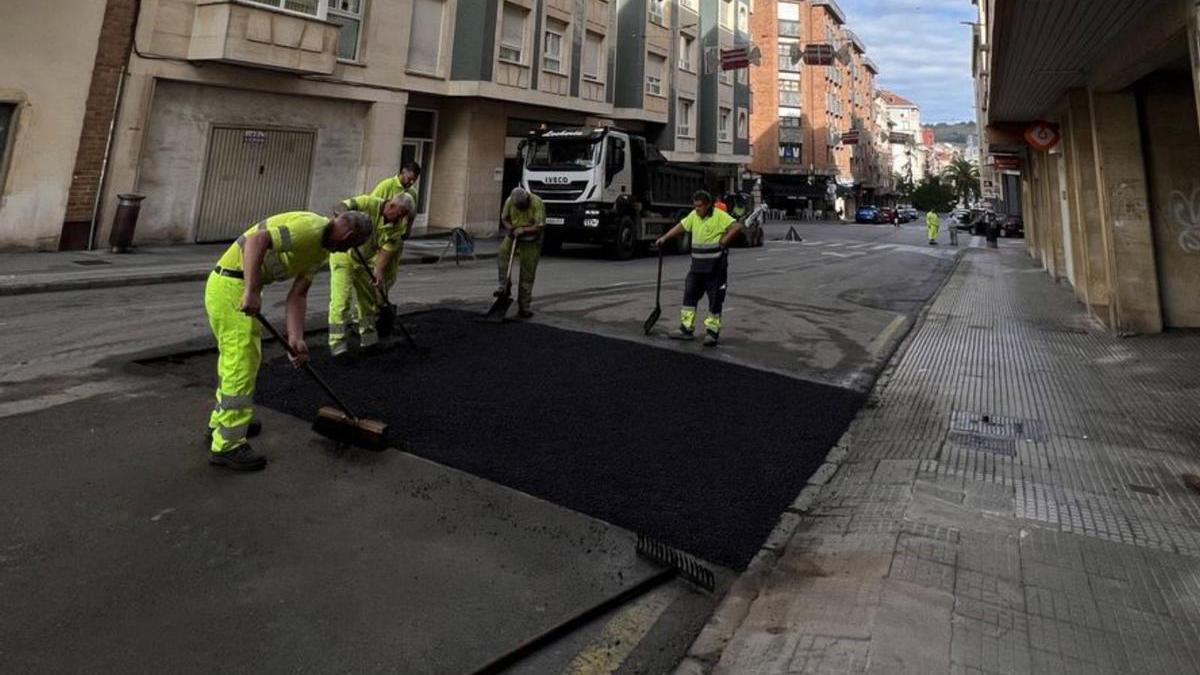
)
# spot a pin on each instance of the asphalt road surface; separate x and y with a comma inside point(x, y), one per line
point(120, 549)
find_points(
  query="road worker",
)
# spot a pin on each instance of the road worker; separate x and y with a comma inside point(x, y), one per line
point(932, 224)
point(524, 220)
point(712, 231)
point(404, 181)
point(354, 294)
point(286, 246)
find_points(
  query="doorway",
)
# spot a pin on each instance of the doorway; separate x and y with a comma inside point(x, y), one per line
point(420, 128)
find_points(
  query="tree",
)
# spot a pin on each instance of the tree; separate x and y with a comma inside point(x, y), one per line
point(964, 176)
point(934, 195)
point(904, 187)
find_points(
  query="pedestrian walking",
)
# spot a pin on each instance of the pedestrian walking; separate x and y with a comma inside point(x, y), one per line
point(355, 295)
point(932, 224)
point(712, 231)
point(286, 246)
point(953, 229)
point(524, 221)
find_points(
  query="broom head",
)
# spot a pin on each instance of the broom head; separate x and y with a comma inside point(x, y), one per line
point(334, 424)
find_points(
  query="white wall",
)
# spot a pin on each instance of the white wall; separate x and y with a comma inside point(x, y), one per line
point(47, 50)
point(176, 142)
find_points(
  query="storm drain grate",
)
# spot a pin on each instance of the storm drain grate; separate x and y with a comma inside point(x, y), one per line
point(94, 261)
point(999, 446)
point(997, 426)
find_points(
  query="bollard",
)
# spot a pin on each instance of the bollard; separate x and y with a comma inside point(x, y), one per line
point(120, 240)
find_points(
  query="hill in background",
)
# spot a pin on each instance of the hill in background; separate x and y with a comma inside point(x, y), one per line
point(952, 132)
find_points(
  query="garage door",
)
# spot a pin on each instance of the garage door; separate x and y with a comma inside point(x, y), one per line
point(251, 174)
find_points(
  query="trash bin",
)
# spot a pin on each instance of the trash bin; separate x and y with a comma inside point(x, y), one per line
point(120, 240)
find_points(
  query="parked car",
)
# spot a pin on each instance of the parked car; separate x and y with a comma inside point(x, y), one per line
point(907, 214)
point(1012, 226)
point(888, 215)
point(866, 215)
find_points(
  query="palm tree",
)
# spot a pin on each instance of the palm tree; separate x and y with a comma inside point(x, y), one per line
point(964, 176)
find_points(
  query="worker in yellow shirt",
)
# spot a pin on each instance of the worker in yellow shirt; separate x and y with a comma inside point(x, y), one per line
point(404, 181)
point(523, 217)
point(351, 288)
point(287, 246)
point(712, 231)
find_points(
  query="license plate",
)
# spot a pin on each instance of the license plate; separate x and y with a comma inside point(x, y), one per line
point(555, 221)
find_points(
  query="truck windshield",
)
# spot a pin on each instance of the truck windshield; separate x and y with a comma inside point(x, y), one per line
point(547, 155)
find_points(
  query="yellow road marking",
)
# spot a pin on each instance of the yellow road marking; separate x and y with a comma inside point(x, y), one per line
point(881, 339)
point(622, 634)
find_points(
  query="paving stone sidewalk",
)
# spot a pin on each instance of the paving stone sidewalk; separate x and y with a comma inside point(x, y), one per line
point(40, 272)
point(1008, 502)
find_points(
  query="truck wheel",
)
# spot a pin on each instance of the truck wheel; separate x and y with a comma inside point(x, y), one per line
point(626, 244)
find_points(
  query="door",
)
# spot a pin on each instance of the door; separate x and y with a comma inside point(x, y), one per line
point(251, 174)
point(420, 128)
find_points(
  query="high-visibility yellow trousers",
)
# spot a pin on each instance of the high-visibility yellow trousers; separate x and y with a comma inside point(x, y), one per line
point(239, 342)
point(353, 304)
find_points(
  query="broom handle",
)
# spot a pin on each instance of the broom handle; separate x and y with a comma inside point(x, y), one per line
point(371, 273)
point(307, 368)
point(658, 284)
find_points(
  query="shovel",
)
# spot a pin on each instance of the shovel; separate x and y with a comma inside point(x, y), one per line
point(387, 321)
point(338, 424)
point(648, 324)
point(504, 295)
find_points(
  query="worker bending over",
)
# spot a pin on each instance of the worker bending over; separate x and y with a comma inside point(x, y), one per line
point(932, 224)
point(351, 286)
point(524, 221)
point(287, 246)
point(712, 231)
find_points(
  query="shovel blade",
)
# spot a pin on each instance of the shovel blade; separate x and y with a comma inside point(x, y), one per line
point(648, 324)
point(336, 425)
point(499, 309)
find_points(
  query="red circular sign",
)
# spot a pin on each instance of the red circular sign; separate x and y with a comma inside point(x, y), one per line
point(1042, 136)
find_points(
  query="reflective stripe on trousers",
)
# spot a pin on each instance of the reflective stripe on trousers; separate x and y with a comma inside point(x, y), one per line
point(239, 343)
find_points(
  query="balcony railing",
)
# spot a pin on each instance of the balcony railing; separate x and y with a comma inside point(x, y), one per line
point(789, 28)
point(790, 99)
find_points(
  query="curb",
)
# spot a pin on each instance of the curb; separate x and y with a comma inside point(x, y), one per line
point(142, 278)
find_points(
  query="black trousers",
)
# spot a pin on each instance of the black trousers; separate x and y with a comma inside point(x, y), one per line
point(707, 278)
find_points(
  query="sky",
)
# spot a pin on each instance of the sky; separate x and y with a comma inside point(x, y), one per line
point(922, 51)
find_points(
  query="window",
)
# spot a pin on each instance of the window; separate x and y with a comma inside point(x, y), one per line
point(687, 44)
point(593, 48)
point(789, 19)
point(789, 121)
point(656, 12)
point(790, 152)
point(743, 124)
point(425, 41)
point(8, 130)
point(552, 60)
point(348, 14)
point(683, 120)
point(789, 92)
point(786, 63)
point(724, 118)
point(512, 33)
point(727, 14)
point(726, 76)
point(654, 74)
point(690, 4)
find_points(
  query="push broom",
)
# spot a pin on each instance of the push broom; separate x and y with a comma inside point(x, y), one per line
point(338, 424)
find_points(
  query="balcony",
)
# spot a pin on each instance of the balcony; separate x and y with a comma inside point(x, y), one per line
point(229, 31)
point(790, 99)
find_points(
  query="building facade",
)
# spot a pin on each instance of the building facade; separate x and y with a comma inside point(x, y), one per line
point(905, 137)
point(1102, 133)
point(228, 110)
point(804, 152)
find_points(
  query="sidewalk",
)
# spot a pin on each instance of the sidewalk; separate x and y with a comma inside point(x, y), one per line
point(40, 272)
point(1052, 536)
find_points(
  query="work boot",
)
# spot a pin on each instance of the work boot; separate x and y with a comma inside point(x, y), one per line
point(252, 430)
point(241, 458)
point(524, 313)
point(710, 338)
point(682, 333)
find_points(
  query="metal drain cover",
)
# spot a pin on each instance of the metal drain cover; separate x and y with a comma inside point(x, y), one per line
point(999, 446)
point(997, 426)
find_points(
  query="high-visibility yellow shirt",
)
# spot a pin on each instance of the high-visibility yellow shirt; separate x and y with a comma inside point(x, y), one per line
point(390, 187)
point(385, 236)
point(534, 214)
point(707, 231)
point(297, 246)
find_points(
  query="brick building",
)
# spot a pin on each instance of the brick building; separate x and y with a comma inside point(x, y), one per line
point(802, 149)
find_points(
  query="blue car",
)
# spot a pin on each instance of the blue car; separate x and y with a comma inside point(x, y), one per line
point(866, 215)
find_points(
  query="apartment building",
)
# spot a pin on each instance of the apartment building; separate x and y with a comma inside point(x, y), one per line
point(223, 111)
point(905, 136)
point(1103, 132)
point(803, 153)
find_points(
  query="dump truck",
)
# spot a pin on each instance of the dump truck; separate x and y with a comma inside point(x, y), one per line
point(606, 186)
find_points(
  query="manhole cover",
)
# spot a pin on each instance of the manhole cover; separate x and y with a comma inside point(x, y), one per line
point(94, 261)
point(997, 426)
point(999, 446)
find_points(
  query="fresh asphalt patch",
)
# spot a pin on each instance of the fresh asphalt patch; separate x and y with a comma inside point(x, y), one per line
point(700, 454)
